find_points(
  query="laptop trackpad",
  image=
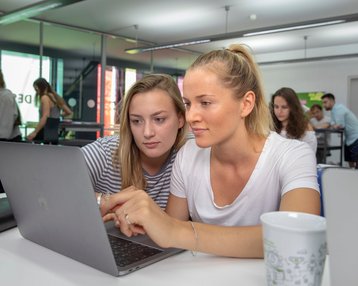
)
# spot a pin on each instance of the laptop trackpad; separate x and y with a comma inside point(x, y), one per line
point(140, 238)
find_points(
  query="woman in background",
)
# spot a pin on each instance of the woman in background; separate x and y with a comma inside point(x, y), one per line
point(289, 118)
point(51, 105)
point(152, 130)
point(234, 171)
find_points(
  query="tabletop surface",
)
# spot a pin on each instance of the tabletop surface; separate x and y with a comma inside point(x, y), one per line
point(24, 262)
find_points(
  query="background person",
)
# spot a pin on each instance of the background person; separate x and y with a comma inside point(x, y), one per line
point(342, 117)
point(234, 171)
point(152, 130)
point(319, 121)
point(10, 117)
point(51, 105)
point(289, 118)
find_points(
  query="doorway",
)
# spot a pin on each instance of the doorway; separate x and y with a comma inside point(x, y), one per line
point(353, 94)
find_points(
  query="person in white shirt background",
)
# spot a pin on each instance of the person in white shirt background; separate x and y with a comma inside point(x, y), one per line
point(10, 117)
point(320, 121)
point(342, 117)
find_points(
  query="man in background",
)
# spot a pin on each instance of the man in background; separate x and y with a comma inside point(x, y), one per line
point(319, 121)
point(342, 117)
point(9, 114)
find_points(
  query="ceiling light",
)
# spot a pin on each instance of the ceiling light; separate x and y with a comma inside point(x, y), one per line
point(33, 10)
point(247, 33)
point(298, 27)
point(166, 46)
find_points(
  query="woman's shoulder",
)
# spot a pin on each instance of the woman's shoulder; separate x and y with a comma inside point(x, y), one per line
point(310, 133)
point(107, 143)
point(282, 143)
point(45, 97)
point(309, 127)
point(310, 138)
point(285, 151)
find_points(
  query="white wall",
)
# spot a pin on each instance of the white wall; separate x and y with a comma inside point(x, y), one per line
point(327, 76)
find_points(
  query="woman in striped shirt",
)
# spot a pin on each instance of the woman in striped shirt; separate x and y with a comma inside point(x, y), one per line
point(152, 130)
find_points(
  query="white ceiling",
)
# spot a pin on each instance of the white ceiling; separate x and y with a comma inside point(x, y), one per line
point(161, 21)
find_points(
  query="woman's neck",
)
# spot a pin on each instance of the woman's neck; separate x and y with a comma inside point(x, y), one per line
point(244, 149)
point(284, 124)
point(153, 165)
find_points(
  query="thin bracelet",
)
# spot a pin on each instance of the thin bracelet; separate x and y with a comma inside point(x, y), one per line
point(193, 252)
point(99, 198)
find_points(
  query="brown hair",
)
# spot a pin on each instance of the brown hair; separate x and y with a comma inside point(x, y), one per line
point(44, 89)
point(297, 121)
point(316, 106)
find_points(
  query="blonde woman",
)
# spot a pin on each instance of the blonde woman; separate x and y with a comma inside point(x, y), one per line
point(152, 130)
point(234, 171)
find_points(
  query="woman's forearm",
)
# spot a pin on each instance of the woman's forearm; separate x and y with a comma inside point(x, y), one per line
point(41, 124)
point(241, 242)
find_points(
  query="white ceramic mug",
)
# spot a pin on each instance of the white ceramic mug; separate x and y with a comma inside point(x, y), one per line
point(295, 248)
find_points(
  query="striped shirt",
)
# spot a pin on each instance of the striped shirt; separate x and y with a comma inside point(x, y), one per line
point(106, 177)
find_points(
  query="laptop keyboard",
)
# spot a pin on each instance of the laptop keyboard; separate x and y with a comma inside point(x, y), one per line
point(127, 252)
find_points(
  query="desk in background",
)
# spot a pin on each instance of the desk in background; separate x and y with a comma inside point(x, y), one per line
point(326, 147)
point(81, 126)
point(74, 126)
point(26, 263)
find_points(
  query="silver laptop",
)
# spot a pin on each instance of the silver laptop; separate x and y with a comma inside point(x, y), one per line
point(53, 201)
point(340, 196)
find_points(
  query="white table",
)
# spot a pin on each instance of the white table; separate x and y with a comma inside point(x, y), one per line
point(25, 263)
point(81, 126)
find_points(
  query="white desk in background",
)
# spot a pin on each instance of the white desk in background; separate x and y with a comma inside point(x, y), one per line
point(25, 263)
point(81, 126)
point(69, 125)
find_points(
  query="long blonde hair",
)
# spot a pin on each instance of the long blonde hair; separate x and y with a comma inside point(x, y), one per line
point(236, 69)
point(127, 154)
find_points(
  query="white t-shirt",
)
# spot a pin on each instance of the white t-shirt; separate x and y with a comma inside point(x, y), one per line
point(283, 165)
point(309, 137)
point(320, 124)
